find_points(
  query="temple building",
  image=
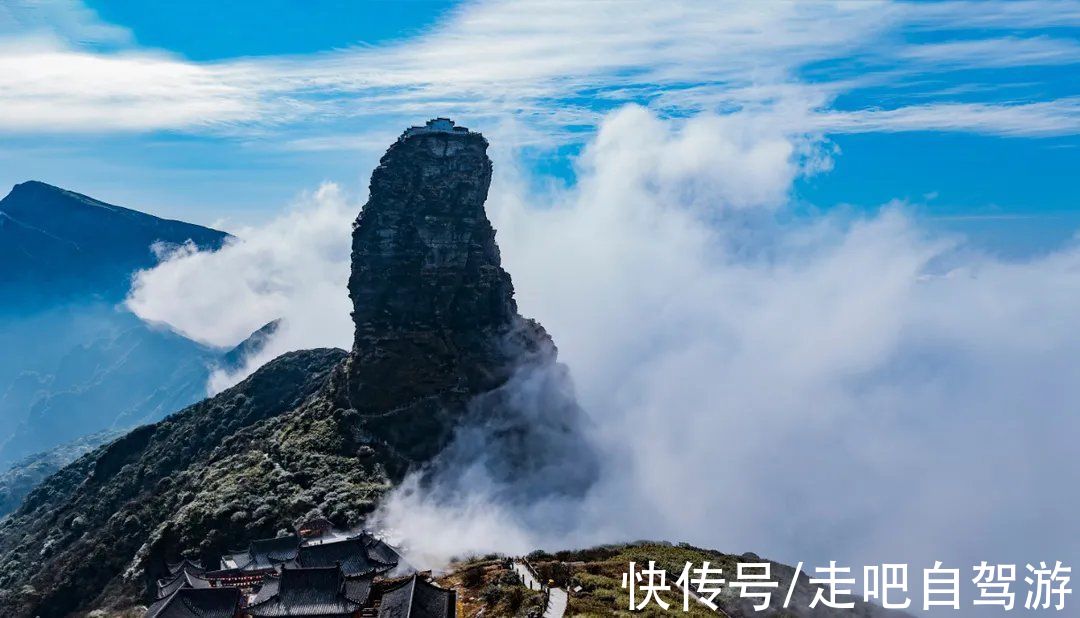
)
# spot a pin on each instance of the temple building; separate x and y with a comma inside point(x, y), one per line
point(198, 603)
point(351, 555)
point(248, 581)
point(379, 551)
point(435, 125)
point(185, 565)
point(418, 598)
point(182, 579)
point(358, 555)
point(322, 592)
point(263, 553)
point(316, 573)
point(190, 574)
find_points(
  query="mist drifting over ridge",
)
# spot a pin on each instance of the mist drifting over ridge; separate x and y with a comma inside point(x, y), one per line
point(843, 388)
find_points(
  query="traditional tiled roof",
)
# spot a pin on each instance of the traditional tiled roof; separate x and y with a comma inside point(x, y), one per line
point(280, 549)
point(182, 579)
point(186, 565)
point(350, 554)
point(267, 590)
point(197, 603)
point(358, 589)
point(379, 551)
point(264, 553)
point(418, 598)
point(305, 592)
point(237, 559)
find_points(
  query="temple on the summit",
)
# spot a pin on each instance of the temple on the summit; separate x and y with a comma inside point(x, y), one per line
point(435, 125)
point(316, 572)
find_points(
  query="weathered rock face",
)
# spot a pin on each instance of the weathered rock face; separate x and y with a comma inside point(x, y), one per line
point(424, 254)
point(441, 358)
point(436, 321)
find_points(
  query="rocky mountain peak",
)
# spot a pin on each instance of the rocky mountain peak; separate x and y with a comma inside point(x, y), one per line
point(424, 253)
point(444, 376)
point(58, 245)
point(434, 310)
point(31, 187)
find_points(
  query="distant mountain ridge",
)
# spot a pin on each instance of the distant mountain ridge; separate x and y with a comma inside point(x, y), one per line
point(28, 473)
point(51, 421)
point(56, 244)
point(75, 361)
point(129, 373)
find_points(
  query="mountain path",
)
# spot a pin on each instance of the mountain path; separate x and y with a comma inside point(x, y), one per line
point(557, 602)
point(557, 597)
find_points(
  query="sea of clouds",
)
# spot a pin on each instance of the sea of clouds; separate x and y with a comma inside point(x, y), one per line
point(848, 385)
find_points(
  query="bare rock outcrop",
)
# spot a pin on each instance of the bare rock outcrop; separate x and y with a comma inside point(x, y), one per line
point(443, 373)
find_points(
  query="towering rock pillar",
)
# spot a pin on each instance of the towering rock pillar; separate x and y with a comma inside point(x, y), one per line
point(436, 321)
point(424, 254)
point(444, 378)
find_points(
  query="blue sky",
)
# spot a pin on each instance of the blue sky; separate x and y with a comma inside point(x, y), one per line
point(225, 112)
point(204, 31)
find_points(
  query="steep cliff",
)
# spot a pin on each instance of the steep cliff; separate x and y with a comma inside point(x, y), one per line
point(439, 351)
point(436, 321)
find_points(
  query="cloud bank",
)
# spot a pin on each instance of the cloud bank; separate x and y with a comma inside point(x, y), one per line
point(846, 387)
point(295, 268)
point(850, 387)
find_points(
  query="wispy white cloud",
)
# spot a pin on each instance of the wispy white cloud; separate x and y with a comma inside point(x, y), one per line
point(977, 14)
point(294, 268)
point(551, 66)
point(1051, 118)
point(69, 20)
point(43, 88)
point(996, 52)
